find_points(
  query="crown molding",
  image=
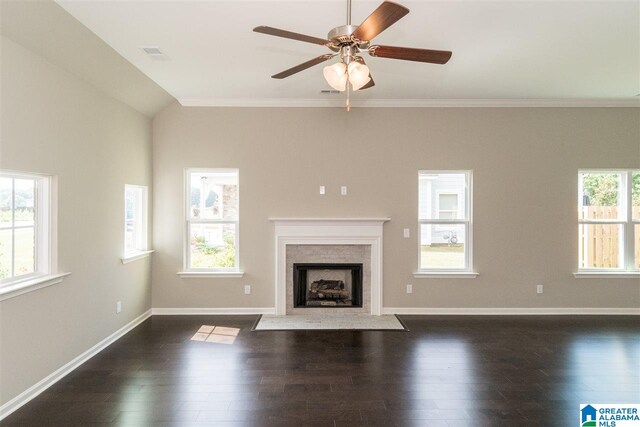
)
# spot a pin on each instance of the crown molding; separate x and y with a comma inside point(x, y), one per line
point(335, 102)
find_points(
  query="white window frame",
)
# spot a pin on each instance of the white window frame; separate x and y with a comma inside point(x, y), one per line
point(627, 269)
point(141, 223)
point(41, 227)
point(467, 270)
point(45, 227)
point(188, 271)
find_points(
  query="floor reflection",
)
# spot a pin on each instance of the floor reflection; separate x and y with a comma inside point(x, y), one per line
point(443, 374)
point(216, 334)
point(602, 368)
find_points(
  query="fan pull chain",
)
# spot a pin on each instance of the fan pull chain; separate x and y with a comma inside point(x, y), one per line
point(348, 103)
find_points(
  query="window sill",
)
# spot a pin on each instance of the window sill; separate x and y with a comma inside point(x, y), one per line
point(135, 256)
point(445, 275)
point(607, 274)
point(30, 285)
point(210, 274)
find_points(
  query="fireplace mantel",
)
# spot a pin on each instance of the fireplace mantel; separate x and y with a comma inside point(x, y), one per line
point(330, 220)
point(329, 231)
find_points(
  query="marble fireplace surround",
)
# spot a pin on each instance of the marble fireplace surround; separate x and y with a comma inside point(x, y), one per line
point(328, 231)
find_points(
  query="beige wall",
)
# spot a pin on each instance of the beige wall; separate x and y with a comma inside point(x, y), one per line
point(54, 123)
point(525, 164)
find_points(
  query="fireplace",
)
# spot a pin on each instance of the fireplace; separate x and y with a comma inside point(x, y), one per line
point(329, 240)
point(327, 285)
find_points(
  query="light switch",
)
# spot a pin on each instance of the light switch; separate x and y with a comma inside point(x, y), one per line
point(407, 233)
point(343, 190)
point(322, 189)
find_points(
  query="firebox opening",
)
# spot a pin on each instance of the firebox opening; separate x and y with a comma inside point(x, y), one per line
point(327, 285)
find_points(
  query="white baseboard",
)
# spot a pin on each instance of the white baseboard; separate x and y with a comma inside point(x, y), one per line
point(512, 311)
point(220, 310)
point(417, 310)
point(33, 391)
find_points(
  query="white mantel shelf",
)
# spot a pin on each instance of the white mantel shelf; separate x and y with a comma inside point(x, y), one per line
point(331, 220)
point(329, 231)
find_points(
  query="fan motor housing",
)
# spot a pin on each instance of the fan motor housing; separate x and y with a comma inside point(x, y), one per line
point(341, 36)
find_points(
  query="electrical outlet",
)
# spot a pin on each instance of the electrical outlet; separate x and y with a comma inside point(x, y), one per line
point(409, 289)
point(322, 189)
point(118, 306)
point(407, 233)
point(343, 190)
point(247, 289)
point(540, 289)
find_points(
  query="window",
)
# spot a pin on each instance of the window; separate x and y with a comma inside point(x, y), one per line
point(24, 227)
point(609, 220)
point(444, 216)
point(135, 219)
point(212, 213)
point(447, 206)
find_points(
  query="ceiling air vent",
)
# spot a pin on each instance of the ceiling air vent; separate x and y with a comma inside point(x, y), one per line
point(329, 92)
point(154, 52)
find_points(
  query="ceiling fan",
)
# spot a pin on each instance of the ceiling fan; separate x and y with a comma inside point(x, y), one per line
point(349, 41)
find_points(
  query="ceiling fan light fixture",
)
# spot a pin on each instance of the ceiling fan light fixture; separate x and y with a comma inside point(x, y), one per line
point(358, 75)
point(349, 41)
point(336, 76)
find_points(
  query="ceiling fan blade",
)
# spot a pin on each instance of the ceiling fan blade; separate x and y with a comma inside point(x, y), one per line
point(369, 84)
point(411, 54)
point(387, 14)
point(303, 66)
point(290, 35)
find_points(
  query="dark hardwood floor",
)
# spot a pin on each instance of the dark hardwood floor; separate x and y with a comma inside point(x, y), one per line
point(447, 371)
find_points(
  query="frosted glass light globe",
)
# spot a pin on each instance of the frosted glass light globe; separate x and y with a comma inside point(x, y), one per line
point(336, 76)
point(358, 75)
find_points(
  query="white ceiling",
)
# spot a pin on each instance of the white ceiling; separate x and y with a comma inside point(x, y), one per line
point(502, 50)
